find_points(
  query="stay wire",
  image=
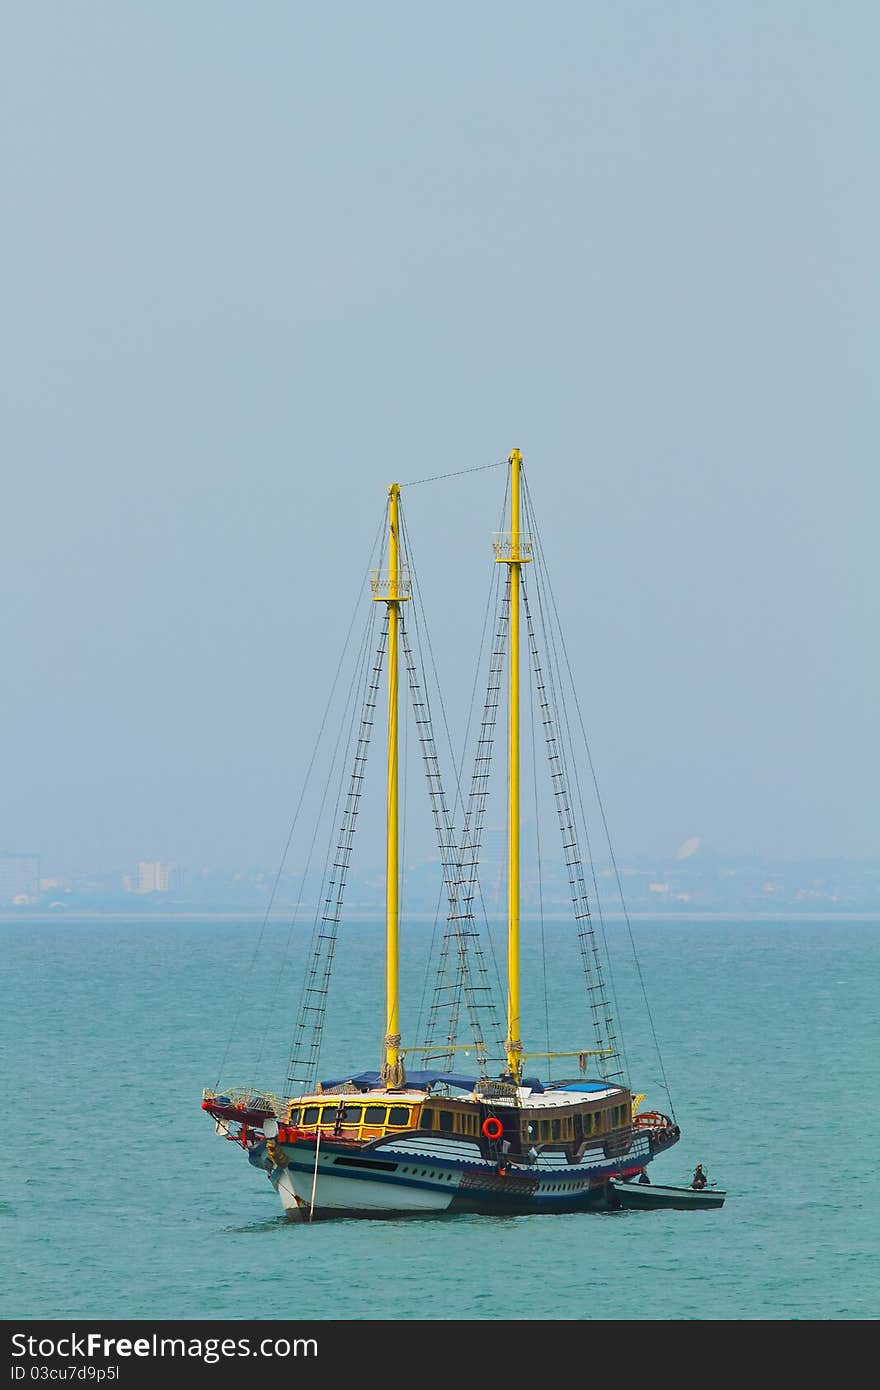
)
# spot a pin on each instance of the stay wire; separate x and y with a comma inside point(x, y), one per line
point(357, 677)
point(538, 849)
point(497, 609)
point(575, 801)
point(458, 766)
point(358, 680)
point(404, 775)
point(459, 473)
point(417, 600)
point(305, 785)
point(569, 760)
point(611, 850)
point(329, 878)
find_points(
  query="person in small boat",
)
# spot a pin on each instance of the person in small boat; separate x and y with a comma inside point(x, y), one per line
point(643, 1176)
point(698, 1182)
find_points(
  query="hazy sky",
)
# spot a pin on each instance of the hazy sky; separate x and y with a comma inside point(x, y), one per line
point(260, 260)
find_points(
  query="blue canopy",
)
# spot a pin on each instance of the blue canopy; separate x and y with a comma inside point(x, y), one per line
point(420, 1080)
point(588, 1086)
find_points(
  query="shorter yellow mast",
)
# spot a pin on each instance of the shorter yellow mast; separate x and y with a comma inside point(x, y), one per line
point(396, 590)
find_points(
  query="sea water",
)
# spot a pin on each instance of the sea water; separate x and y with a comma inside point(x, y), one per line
point(119, 1201)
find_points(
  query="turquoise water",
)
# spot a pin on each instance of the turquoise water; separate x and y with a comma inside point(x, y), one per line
point(119, 1201)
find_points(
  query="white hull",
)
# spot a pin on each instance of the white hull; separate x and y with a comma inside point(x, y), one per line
point(336, 1195)
point(422, 1177)
point(285, 1189)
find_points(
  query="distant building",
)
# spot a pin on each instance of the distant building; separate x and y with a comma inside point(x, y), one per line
point(19, 878)
point(47, 884)
point(154, 877)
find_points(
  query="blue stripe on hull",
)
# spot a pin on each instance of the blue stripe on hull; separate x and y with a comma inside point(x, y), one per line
point(592, 1181)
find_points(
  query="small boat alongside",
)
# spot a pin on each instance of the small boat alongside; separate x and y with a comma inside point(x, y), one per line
point(650, 1195)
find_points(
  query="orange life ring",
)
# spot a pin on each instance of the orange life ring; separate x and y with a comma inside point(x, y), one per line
point(492, 1127)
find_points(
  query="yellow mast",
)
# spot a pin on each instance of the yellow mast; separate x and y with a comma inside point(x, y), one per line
point(510, 552)
point(396, 591)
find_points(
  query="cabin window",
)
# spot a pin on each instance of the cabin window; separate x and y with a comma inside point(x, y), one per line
point(471, 1124)
point(353, 1115)
point(578, 1127)
point(293, 1118)
point(374, 1115)
point(310, 1115)
point(399, 1115)
point(427, 1119)
point(544, 1127)
point(446, 1121)
point(554, 1129)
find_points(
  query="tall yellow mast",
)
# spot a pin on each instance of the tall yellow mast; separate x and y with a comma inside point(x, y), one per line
point(392, 589)
point(511, 551)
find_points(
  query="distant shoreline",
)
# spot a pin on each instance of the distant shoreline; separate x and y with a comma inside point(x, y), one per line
point(426, 917)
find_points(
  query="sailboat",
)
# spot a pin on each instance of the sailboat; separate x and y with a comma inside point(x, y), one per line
point(404, 1140)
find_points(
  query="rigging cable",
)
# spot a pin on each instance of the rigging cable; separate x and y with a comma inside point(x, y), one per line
point(479, 886)
point(244, 989)
point(571, 786)
point(329, 910)
point(540, 876)
point(354, 684)
point(452, 880)
point(404, 779)
point(565, 731)
point(605, 825)
point(458, 768)
point(335, 875)
point(560, 760)
point(459, 473)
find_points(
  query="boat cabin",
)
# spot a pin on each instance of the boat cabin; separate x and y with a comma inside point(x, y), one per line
point(554, 1119)
point(356, 1116)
